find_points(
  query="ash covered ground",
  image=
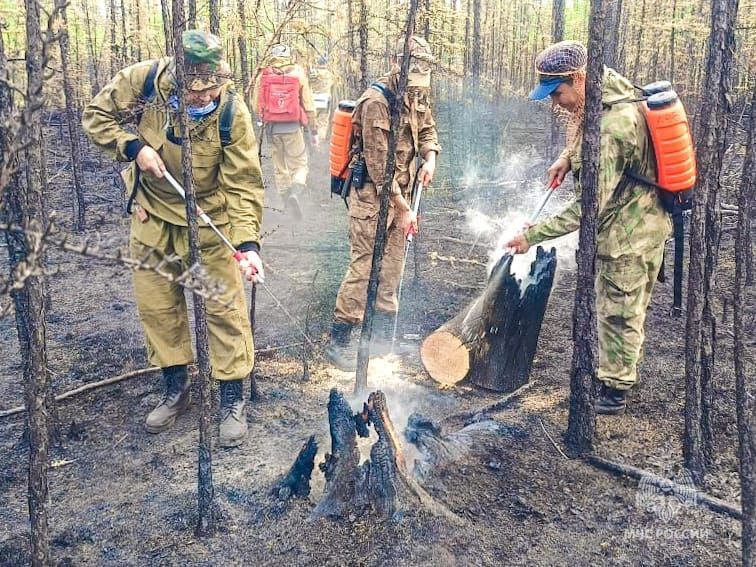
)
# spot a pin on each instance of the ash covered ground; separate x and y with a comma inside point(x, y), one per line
point(121, 497)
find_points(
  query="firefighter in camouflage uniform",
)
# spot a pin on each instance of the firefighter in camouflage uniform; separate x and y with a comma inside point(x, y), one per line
point(633, 225)
point(229, 189)
point(417, 136)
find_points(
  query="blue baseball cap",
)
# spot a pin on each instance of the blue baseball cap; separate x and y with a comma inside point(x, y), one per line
point(547, 85)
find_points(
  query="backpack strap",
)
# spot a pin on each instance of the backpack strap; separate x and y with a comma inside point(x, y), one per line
point(675, 204)
point(387, 93)
point(226, 120)
point(148, 91)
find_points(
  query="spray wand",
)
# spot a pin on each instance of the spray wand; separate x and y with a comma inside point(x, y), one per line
point(408, 242)
point(549, 190)
point(238, 256)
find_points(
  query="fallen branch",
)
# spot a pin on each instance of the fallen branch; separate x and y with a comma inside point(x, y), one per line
point(557, 447)
point(491, 408)
point(700, 499)
point(85, 388)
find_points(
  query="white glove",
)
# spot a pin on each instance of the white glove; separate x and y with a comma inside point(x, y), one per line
point(251, 267)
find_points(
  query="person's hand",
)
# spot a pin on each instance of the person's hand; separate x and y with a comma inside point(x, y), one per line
point(427, 170)
point(518, 245)
point(407, 222)
point(557, 172)
point(314, 139)
point(148, 160)
point(251, 266)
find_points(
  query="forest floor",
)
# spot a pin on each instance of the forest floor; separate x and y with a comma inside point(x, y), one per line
point(119, 496)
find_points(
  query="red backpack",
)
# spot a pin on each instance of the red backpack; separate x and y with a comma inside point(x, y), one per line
point(279, 98)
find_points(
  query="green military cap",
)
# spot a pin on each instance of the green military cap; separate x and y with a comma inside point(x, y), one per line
point(205, 67)
point(202, 47)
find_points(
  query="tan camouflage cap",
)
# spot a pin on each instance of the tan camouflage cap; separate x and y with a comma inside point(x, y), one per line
point(205, 67)
point(419, 50)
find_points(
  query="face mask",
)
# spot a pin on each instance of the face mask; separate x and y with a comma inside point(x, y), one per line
point(195, 113)
point(419, 79)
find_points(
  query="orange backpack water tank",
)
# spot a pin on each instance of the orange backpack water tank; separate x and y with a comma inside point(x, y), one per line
point(673, 144)
point(341, 139)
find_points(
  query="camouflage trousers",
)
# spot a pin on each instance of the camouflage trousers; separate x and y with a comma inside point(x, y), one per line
point(363, 220)
point(623, 292)
point(162, 304)
point(289, 156)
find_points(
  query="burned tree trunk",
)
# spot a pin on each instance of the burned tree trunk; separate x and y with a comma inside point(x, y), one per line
point(381, 483)
point(363, 351)
point(745, 392)
point(243, 51)
point(206, 522)
point(493, 341)
point(557, 35)
point(581, 423)
point(72, 121)
point(704, 237)
point(214, 9)
point(296, 482)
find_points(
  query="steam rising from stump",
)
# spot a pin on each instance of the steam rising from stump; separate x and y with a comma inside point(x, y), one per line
point(493, 340)
point(381, 484)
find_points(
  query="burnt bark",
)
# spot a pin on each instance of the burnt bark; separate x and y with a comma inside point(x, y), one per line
point(363, 30)
point(214, 6)
point(381, 484)
point(704, 241)
point(492, 341)
point(72, 122)
point(557, 35)
point(296, 482)
point(612, 29)
point(191, 6)
point(206, 521)
point(25, 206)
point(165, 11)
point(744, 368)
point(243, 51)
point(582, 416)
point(363, 352)
point(476, 51)
point(254, 391)
point(115, 62)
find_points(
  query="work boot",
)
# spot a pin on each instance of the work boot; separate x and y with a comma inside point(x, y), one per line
point(233, 418)
point(176, 400)
point(292, 207)
point(338, 351)
point(611, 401)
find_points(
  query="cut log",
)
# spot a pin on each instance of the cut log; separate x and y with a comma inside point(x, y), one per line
point(492, 342)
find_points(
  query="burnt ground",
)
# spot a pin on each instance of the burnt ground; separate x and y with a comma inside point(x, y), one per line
point(120, 496)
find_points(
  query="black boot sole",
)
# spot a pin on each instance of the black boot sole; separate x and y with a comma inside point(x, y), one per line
point(604, 410)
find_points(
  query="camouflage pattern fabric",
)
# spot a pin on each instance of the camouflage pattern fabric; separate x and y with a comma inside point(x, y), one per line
point(633, 228)
point(417, 134)
point(363, 221)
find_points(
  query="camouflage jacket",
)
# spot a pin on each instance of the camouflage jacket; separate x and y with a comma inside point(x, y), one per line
point(227, 179)
point(417, 134)
point(631, 221)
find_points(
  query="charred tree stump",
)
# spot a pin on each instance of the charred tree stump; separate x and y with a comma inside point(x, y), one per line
point(297, 481)
point(493, 341)
point(382, 483)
